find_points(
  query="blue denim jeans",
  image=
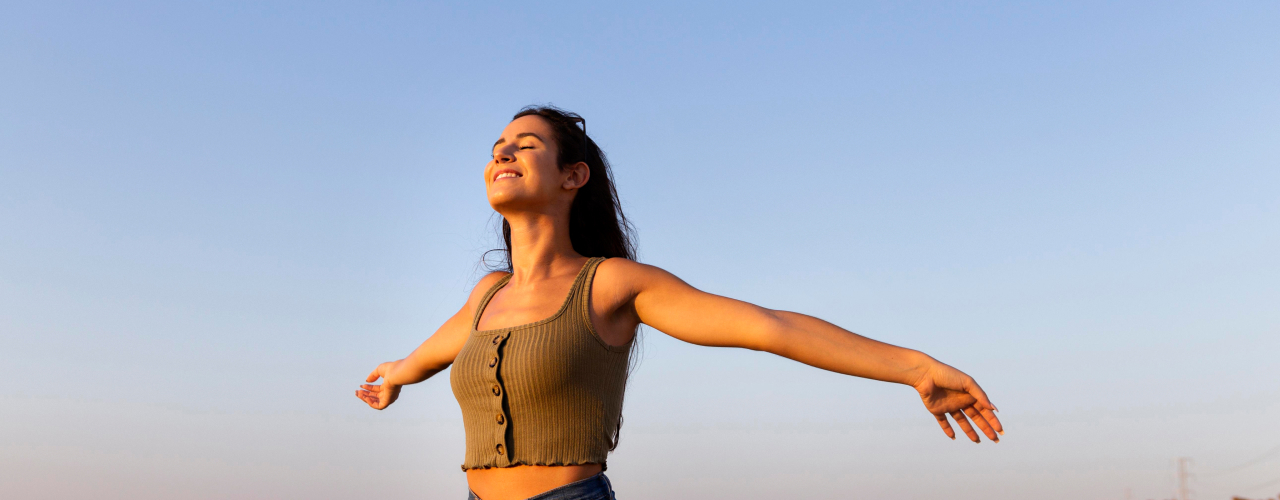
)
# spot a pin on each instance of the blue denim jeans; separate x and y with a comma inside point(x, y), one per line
point(596, 487)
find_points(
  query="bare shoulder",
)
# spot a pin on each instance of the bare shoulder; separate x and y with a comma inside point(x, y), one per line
point(619, 273)
point(482, 287)
point(634, 273)
point(623, 278)
point(616, 284)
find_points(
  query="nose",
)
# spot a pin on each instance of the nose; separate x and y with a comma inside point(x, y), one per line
point(503, 156)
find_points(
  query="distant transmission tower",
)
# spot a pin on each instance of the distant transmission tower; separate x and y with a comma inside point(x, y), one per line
point(1183, 464)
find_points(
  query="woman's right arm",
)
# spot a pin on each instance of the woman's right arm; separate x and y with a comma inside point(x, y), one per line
point(431, 357)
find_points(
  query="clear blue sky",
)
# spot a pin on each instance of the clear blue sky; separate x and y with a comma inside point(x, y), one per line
point(217, 217)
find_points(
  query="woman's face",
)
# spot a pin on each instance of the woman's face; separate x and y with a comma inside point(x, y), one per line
point(523, 174)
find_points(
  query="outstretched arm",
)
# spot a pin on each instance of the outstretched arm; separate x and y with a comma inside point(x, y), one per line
point(670, 305)
point(431, 357)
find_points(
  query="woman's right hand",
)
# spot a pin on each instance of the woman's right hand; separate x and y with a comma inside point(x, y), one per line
point(431, 357)
point(382, 395)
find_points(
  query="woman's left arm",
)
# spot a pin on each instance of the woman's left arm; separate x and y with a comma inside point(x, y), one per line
point(668, 304)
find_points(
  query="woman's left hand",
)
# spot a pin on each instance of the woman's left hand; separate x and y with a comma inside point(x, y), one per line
point(948, 391)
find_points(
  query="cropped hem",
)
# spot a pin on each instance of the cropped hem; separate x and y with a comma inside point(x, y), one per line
point(603, 465)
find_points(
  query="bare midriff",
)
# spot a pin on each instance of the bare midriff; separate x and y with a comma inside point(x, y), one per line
point(524, 481)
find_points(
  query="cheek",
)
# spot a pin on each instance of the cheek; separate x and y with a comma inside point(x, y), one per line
point(548, 168)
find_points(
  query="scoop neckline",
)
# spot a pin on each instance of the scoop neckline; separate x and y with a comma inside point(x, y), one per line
point(503, 282)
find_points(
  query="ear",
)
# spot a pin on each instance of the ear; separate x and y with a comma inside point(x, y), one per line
point(579, 173)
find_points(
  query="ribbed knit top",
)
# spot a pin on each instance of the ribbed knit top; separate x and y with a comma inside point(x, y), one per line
point(542, 393)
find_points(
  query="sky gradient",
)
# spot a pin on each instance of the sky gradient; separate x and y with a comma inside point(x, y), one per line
point(217, 217)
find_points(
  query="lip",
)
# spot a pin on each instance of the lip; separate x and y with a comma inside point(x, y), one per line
point(503, 171)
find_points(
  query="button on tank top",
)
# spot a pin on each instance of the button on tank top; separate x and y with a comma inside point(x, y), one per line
point(542, 393)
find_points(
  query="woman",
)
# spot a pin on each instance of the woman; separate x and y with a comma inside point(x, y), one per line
point(540, 353)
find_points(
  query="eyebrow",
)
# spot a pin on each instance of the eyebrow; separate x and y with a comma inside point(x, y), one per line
point(524, 134)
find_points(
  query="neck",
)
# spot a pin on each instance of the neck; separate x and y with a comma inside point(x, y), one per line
point(540, 247)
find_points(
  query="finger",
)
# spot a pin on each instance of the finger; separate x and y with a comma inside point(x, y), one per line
point(946, 426)
point(371, 387)
point(976, 391)
point(992, 419)
point(964, 425)
point(367, 397)
point(985, 416)
point(982, 424)
point(373, 376)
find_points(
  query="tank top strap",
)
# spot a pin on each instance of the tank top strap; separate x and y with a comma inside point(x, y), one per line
point(580, 309)
point(475, 316)
point(582, 287)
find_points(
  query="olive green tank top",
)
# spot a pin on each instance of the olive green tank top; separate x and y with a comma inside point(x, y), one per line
point(542, 393)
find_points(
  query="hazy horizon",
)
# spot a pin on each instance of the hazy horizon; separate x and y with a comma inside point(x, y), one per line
point(219, 217)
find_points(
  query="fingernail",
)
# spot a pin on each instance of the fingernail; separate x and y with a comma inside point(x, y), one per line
point(1001, 432)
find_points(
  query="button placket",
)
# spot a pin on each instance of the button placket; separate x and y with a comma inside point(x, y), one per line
point(498, 391)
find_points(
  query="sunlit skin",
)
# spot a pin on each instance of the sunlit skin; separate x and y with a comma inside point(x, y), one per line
point(535, 202)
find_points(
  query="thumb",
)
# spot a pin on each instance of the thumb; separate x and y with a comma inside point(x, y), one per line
point(373, 376)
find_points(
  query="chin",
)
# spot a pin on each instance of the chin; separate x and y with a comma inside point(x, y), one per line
point(505, 201)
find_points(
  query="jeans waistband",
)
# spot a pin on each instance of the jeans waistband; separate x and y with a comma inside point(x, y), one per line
point(596, 487)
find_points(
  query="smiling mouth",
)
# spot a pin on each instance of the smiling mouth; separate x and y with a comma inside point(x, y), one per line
point(505, 175)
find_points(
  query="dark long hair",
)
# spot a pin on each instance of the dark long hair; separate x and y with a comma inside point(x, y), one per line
point(597, 226)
